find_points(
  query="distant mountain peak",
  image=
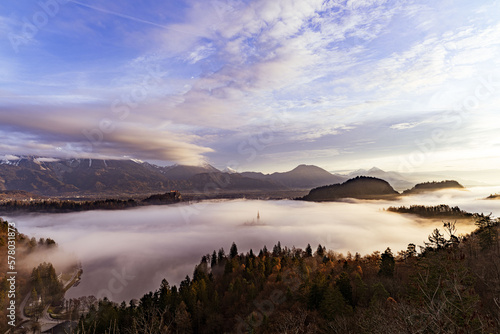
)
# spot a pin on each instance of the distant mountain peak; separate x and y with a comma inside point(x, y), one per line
point(375, 169)
point(304, 166)
point(230, 170)
point(398, 181)
point(205, 165)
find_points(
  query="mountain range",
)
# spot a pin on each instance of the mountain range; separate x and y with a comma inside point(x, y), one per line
point(95, 177)
point(397, 180)
point(86, 177)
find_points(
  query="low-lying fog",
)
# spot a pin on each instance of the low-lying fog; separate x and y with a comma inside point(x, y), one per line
point(127, 253)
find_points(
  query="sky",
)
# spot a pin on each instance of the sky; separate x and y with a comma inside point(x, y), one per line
point(409, 86)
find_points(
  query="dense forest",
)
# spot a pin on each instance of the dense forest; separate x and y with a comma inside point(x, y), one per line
point(437, 211)
point(450, 285)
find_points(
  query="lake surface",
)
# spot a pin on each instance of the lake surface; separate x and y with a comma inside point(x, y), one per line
point(127, 253)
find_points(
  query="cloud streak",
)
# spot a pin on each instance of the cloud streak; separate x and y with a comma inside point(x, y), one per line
point(333, 69)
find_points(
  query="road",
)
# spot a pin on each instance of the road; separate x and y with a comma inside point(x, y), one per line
point(22, 306)
point(46, 321)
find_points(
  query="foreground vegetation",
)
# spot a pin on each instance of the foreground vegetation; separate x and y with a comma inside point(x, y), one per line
point(40, 281)
point(451, 285)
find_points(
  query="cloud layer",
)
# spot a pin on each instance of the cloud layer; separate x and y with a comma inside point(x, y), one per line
point(152, 243)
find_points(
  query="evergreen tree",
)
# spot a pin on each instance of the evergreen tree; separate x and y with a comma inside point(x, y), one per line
point(411, 251)
point(221, 255)
point(265, 251)
point(315, 297)
point(34, 295)
point(436, 241)
point(233, 252)
point(387, 264)
point(320, 251)
point(334, 304)
point(343, 283)
point(277, 249)
point(308, 250)
point(488, 233)
point(213, 261)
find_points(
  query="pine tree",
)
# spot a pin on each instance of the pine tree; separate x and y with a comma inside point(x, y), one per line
point(320, 251)
point(488, 234)
point(334, 304)
point(233, 252)
point(34, 295)
point(437, 240)
point(221, 255)
point(387, 264)
point(343, 283)
point(309, 250)
point(213, 261)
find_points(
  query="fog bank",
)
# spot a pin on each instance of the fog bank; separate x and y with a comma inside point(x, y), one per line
point(127, 253)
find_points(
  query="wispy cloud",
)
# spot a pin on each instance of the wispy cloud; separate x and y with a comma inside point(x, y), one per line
point(337, 71)
point(405, 126)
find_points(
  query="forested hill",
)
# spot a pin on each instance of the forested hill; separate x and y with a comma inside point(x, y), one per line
point(433, 186)
point(437, 211)
point(361, 187)
point(320, 291)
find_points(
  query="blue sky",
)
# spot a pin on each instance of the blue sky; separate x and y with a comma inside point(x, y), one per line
point(254, 85)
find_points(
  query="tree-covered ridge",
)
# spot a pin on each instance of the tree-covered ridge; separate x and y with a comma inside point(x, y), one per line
point(437, 211)
point(432, 186)
point(451, 286)
point(493, 196)
point(361, 187)
point(56, 206)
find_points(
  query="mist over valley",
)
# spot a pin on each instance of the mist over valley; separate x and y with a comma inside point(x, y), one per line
point(126, 253)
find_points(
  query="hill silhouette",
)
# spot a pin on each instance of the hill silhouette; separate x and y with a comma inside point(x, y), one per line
point(361, 187)
point(433, 186)
point(493, 196)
